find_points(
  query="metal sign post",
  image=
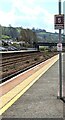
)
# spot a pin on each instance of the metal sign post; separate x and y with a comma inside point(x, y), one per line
point(60, 58)
point(59, 24)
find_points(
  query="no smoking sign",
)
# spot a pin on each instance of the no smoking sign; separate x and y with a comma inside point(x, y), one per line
point(59, 47)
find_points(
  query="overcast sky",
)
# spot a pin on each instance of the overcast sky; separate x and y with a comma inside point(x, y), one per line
point(29, 13)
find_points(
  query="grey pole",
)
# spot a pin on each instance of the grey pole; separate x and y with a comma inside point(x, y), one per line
point(60, 58)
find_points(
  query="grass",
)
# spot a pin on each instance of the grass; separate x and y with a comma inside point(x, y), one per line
point(5, 37)
point(43, 48)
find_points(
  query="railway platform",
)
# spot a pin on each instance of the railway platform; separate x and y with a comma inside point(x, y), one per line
point(40, 101)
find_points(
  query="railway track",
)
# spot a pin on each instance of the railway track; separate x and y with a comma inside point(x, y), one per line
point(12, 63)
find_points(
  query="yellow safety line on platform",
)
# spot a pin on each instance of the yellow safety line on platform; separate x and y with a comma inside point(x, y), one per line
point(9, 98)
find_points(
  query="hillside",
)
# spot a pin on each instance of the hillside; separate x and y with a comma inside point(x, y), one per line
point(49, 37)
point(28, 35)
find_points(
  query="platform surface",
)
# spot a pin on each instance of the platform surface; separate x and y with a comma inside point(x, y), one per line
point(40, 101)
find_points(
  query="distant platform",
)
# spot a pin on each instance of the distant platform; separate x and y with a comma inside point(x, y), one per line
point(17, 51)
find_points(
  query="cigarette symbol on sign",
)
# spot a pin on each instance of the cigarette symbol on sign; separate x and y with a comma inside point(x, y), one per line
point(59, 45)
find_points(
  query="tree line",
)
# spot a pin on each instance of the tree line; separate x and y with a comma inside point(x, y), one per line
point(18, 34)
